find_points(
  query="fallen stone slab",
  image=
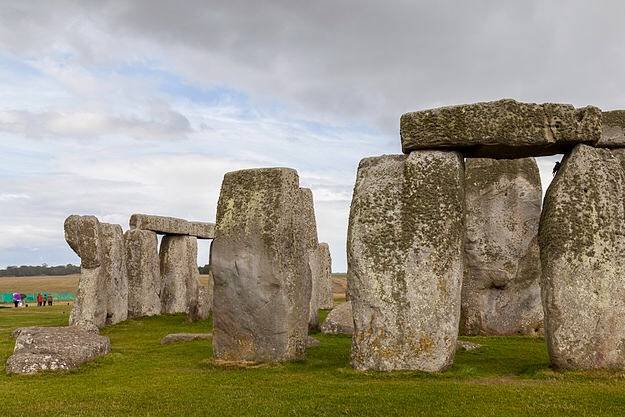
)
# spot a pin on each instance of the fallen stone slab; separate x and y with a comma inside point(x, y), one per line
point(613, 129)
point(312, 342)
point(40, 349)
point(185, 337)
point(582, 244)
point(172, 226)
point(405, 254)
point(501, 129)
point(260, 268)
point(339, 320)
point(467, 346)
point(500, 290)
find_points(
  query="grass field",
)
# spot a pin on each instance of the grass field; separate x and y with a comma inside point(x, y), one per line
point(509, 376)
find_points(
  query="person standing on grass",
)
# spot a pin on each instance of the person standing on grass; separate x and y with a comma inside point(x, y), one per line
point(49, 299)
point(16, 299)
point(45, 298)
point(39, 300)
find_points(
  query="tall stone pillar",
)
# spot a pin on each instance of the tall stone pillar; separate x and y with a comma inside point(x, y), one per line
point(325, 294)
point(582, 243)
point(500, 290)
point(179, 273)
point(144, 278)
point(261, 284)
point(405, 261)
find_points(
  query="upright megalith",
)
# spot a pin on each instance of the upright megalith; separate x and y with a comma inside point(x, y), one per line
point(114, 269)
point(501, 129)
point(311, 242)
point(261, 287)
point(144, 280)
point(102, 289)
point(582, 242)
point(405, 261)
point(324, 293)
point(179, 273)
point(82, 233)
point(500, 290)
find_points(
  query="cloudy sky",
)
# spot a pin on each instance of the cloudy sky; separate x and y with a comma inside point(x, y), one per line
point(115, 107)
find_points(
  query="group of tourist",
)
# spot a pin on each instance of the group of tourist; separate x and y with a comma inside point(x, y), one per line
point(44, 299)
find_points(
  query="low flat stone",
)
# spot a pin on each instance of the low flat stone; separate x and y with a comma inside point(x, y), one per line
point(54, 348)
point(312, 342)
point(468, 346)
point(172, 226)
point(501, 129)
point(339, 320)
point(613, 129)
point(185, 337)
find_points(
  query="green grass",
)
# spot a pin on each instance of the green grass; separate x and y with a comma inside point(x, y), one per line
point(509, 376)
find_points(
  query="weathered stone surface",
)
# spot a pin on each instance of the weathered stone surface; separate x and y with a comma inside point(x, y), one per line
point(179, 273)
point(311, 242)
point(144, 280)
point(261, 294)
point(54, 348)
point(185, 337)
point(405, 261)
point(339, 320)
point(101, 297)
point(501, 290)
point(172, 226)
point(113, 269)
point(204, 304)
point(501, 129)
point(81, 233)
point(613, 129)
point(468, 346)
point(312, 342)
point(582, 241)
point(325, 293)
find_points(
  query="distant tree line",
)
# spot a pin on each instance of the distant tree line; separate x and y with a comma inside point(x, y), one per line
point(69, 269)
point(33, 270)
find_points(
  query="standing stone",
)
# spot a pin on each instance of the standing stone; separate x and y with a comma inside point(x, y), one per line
point(262, 293)
point(582, 241)
point(204, 303)
point(340, 320)
point(114, 271)
point(500, 290)
point(179, 273)
point(405, 261)
point(144, 281)
point(311, 243)
point(82, 233)
point(325, 293)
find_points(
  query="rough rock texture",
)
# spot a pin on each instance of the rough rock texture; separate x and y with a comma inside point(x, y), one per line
point(144, 278)
point(405, 261)
point(101, 297)
point(205, 303)
point(613, 129)
point(501, 129)
point(54, 348)
point(468, 346)
point(339, 320)
point(261, 294)
point(312, 342)
point(582, 241)
point(311, 242)
point(114, 272)
point(81, 233)
point(501, 290)
point(324, 293)
point(172, 226)
point(179, 273)
point(185, 337)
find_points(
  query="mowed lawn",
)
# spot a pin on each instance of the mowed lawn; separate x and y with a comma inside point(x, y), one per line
point(509, 376)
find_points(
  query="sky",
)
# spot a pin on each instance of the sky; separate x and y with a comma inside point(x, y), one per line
point(116, 107)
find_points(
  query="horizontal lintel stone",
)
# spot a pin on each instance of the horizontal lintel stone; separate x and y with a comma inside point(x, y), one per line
point(172, 226)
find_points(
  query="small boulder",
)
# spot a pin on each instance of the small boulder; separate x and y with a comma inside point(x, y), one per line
point(312, 342)
point(468, 346)
point(339, 321)
point(54, 348)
